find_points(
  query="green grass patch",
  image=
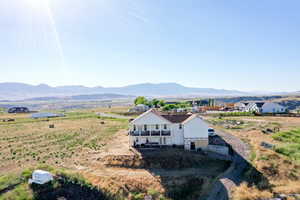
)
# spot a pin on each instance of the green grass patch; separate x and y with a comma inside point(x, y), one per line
point(236, 114)
point(290, 143)
point(66, 184)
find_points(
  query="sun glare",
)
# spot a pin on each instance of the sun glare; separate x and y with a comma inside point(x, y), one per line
point(36, 4)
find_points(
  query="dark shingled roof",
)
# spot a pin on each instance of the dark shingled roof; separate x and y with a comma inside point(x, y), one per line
point(260, 104)
point(174, 118)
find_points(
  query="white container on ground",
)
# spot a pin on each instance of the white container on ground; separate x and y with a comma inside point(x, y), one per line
point(41, 177)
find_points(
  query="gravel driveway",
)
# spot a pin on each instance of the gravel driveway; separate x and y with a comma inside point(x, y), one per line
point(232, 177)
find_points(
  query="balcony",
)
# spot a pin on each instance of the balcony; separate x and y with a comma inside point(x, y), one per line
point(145, 133)
point(134, 133)
point(155, 133)
point(166, 133)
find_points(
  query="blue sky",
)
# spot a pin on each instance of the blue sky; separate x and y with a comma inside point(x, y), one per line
point(246, 45)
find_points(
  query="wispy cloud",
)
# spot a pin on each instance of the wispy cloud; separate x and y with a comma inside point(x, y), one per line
point(138, 16)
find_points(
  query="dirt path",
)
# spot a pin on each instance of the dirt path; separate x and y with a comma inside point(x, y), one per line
point(232, 177)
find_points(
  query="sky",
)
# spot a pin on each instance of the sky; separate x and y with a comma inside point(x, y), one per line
point(249, 45)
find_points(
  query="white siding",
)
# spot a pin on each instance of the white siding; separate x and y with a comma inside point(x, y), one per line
point(196, 128)
point(272, 108)
point(150, 118)
point(177, 134)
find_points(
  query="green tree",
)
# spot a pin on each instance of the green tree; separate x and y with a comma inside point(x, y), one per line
point(170, 107)
point(155, 103)
point(140, 100)
point(162, 103)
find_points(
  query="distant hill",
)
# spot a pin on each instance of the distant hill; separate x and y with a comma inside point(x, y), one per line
point(82, 97)
point(18, 91)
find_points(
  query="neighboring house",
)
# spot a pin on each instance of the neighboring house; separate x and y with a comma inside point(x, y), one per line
point(265, 107)
point(165, 129)
point(241, 106)
point(270, 107)
point(18, 110)
point(139, 108)
point(254, 107)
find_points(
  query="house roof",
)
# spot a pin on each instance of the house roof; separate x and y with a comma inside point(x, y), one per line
point(173, 118)
point(176, 118)
point(259, 104)
point(152, 111)
point(170, 117)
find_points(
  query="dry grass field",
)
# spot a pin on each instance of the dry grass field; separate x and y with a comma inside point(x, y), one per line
point(279, 165)
point(97, 148)
point(26, 142)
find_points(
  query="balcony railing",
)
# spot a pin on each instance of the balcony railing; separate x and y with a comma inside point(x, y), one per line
point(155, 133)
point(134, 133)
point(145, 133)
point(165, 133)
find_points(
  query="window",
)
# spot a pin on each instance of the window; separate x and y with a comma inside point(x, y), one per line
point(145, 127)
point(157, 126)
point(180, 126)
point(165, 126)
point(134, 128)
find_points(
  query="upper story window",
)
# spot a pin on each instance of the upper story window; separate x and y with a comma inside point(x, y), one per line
point(157, 126)
point(180, 126)
point(165, 126)
point(145, 127)
point(134, 127)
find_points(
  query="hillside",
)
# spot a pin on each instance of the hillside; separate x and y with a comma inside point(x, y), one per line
point(20, 91)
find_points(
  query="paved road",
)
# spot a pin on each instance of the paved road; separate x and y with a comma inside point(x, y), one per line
point(232, 177)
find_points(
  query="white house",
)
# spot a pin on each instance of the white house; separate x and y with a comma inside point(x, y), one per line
point(165, 129)
point(241, 106)
point(254, 107)
point(265, 107)
point(270, 107)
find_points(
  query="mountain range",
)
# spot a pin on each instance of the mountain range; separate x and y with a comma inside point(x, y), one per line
point(21, 91)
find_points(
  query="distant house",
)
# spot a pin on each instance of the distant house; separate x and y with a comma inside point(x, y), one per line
point(139, 108)
point(254, 107)
point(240, 106)
point(18, 110)
point(156, 128)
point(270, 107)
point(265, 107)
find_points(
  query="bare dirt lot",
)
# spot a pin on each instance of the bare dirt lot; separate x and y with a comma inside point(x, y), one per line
point(171, 172)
